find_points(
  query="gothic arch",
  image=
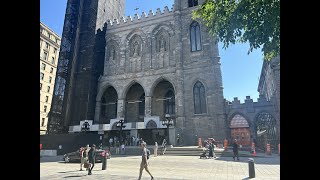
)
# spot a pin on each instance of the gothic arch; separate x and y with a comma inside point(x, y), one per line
point(103, 88)
point(114, 126)
point(138, 32)
point(157, 81)
point(265, 110)
point(112, 50)
point(130, 84)
point(163, 27)
point(151, 125)
point(135, 46)
point(240, 113)
point(195, 80)
point(200, 102)
point(266, 129)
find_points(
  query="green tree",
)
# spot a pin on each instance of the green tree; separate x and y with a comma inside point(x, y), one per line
point(253, 21)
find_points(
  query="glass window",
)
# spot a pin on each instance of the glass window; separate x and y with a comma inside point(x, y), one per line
point(43, 66)
point(45, 108)
point(40, 86)
point(50, 79)
point(52, 60)
point(47, 45)
point(45, 55)
point(42, 122)
point(47, 98)
point(192, 3)
point(195, 39)
point(51, 70)
point(200, 105)
point(41, 76)
point(48, 89)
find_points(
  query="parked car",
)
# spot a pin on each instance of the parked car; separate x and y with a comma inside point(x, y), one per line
point(75, 156)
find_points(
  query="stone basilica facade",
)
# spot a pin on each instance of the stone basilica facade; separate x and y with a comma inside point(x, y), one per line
point(142, 69)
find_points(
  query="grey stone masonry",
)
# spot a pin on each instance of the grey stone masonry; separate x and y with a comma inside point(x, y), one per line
point(149, 49)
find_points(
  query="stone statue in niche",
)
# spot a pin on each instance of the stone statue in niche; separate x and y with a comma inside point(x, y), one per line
point(136, 49)
point(112, 53)
point(162, 44)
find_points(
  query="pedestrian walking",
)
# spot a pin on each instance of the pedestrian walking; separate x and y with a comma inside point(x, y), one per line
point(117, 147)
point(235, 150)
point(144, 161)
point(92, 158)
point(83, 155)
point(155, 149)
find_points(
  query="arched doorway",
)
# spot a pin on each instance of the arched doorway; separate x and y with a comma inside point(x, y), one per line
point(109, 102)
point(240, 130)
point(150, 134)
point(163, 100)
point(135, 104)
point(266, 131)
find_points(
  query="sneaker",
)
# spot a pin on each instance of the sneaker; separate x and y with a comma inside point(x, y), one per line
point(238, 159)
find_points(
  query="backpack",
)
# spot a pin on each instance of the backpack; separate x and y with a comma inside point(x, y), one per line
point(148, 153)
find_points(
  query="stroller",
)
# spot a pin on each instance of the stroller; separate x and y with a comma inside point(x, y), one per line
point(204, 154)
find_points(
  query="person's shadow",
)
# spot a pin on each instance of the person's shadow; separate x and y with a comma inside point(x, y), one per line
point(246, 178)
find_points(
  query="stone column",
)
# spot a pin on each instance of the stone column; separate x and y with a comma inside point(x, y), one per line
point(172, 135)
point(97, 112)
point(147, 106)
point(120, 108)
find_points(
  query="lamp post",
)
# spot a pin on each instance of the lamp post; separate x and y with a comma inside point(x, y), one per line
point(85, 126)
point(121, 125)
point(167, 122)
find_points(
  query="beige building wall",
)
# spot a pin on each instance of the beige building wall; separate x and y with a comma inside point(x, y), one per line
point(49, 54)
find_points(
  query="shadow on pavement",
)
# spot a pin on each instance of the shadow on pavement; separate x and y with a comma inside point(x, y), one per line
point(246, 178)
point(257, 160)
point(68, 171)
point(74, 176)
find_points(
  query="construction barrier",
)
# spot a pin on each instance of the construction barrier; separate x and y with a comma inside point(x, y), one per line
point(253, 149)
point(268, 152)
point(225, 144)
point(199, 143)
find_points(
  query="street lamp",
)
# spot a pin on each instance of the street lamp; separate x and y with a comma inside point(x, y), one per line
point(167, 122)
point(85, 126)
point(121, 125)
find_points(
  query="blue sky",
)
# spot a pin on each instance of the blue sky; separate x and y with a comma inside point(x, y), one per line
point(240, 71)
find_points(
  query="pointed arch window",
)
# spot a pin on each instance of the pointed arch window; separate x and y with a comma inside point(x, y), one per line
point(200, 105)
point(170, 103)
point(192, 3)
point(195, 36)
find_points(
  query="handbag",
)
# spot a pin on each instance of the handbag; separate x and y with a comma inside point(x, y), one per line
point(86, 164)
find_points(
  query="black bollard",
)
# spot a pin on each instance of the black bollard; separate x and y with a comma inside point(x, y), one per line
point(104, 162)
point(252, 173)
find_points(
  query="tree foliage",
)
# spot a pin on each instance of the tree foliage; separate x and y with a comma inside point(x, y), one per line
point(253, 21)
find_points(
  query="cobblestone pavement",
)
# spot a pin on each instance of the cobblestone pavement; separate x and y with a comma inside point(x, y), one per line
point(165, 168)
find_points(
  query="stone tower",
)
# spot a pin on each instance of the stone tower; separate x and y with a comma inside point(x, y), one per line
point(81, 59)
point(198, 66)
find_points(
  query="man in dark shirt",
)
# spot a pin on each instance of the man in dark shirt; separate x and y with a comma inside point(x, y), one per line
point(235, 150)
point(92, 158)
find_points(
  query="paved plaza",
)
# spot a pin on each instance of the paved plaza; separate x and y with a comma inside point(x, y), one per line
point(167, 167)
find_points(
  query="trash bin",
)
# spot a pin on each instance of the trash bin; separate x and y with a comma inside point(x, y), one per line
point(252, 173)
point(104, 161)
